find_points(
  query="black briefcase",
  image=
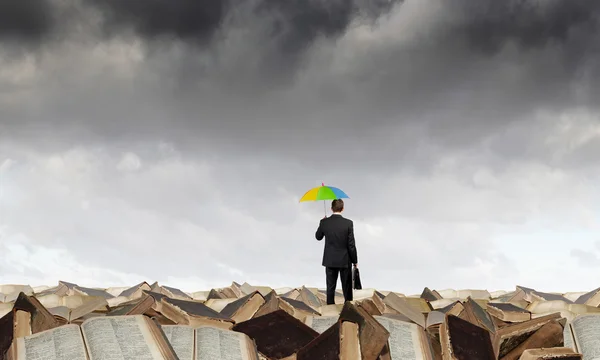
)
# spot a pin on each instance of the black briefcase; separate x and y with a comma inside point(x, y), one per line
point(356, 279)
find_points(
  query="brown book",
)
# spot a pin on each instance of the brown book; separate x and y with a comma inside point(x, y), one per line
point(214, 294)
point(406, 340)
point(430, 295)
point(123, 337)
point(79, 290)
point(455, 308)
point(499, 323)
point(243, 308)
point(436, 346)
point(175, 293)
point(273, 303)
point(209, 343)
point(402, 306)
point(436, 317)
point(509, 337)
point(229, 293)
point(22, 324)
point(184, 312)
point(531, 295)
point(508, 312)
point(309, 298)
point(591, 298)
point(339, 342)
point(434, 322)
point(559, 353)
point(155, 287)
point(385, 353)
point(95, 307)
point(62, 289)
point(418, 304)
point(477, 315)
point(301, 310)
point(236, 288)
point(277, 334)
point(6, 333)
point(65, 288)
point(159, 318)
point(521, 294)
point(548, 336)
point(374, 305)
point(292, 294)
point(136, 291)
point(370, 307)
point(462, 340)
point(372, 334)
point(134, 307)
point(538, 295)
point(41, 318)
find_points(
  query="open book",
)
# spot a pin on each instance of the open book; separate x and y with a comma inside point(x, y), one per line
point(583, 335)
point(407, 341)
point(101, 338)
point(209, 343)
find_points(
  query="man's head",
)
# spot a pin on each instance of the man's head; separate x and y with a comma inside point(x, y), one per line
point(337, 205)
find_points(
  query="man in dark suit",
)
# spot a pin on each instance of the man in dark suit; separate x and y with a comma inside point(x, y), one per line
point(340, 250)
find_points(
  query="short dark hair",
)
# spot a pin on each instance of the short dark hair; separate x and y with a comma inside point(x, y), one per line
point(337, 205)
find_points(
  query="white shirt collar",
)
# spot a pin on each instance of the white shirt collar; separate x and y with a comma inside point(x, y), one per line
point(336, 213)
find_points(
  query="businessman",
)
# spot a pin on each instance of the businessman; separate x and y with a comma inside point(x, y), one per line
point(339, 252)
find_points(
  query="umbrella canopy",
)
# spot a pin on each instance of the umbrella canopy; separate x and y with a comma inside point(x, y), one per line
point(323, 193)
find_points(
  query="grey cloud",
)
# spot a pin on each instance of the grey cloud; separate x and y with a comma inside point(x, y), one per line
point(174, 211)
point(586, 258)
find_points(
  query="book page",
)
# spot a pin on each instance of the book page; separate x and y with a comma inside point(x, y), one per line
point(404, 339)
point(586, 331)
point(88, 307)
point(568, 337)
point(321, 323)
point(218, 344)
point(62, 343)
point(181, 338)
point(435, 318)
point(120, 338)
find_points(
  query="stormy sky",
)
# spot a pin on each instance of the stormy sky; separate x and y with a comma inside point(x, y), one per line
point(171, 141)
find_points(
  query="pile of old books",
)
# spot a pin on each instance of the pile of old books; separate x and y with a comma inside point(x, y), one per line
point(244, 322)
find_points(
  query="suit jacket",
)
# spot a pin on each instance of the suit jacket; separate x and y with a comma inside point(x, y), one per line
point(340, 249)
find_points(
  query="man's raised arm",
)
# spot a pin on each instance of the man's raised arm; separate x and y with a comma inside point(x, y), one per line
point(320, 234)
point(352, 245)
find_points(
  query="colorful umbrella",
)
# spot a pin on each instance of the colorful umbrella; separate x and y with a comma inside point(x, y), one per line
point(323, 193)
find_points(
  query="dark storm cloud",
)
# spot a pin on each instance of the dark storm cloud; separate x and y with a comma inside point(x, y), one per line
point(188, 20)
point(25, 20)
point(446, 77)
point(529, 23)
point(296, 24)
point(283, 31)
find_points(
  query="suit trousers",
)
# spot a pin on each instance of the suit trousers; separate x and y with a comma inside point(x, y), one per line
point(346, 279)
